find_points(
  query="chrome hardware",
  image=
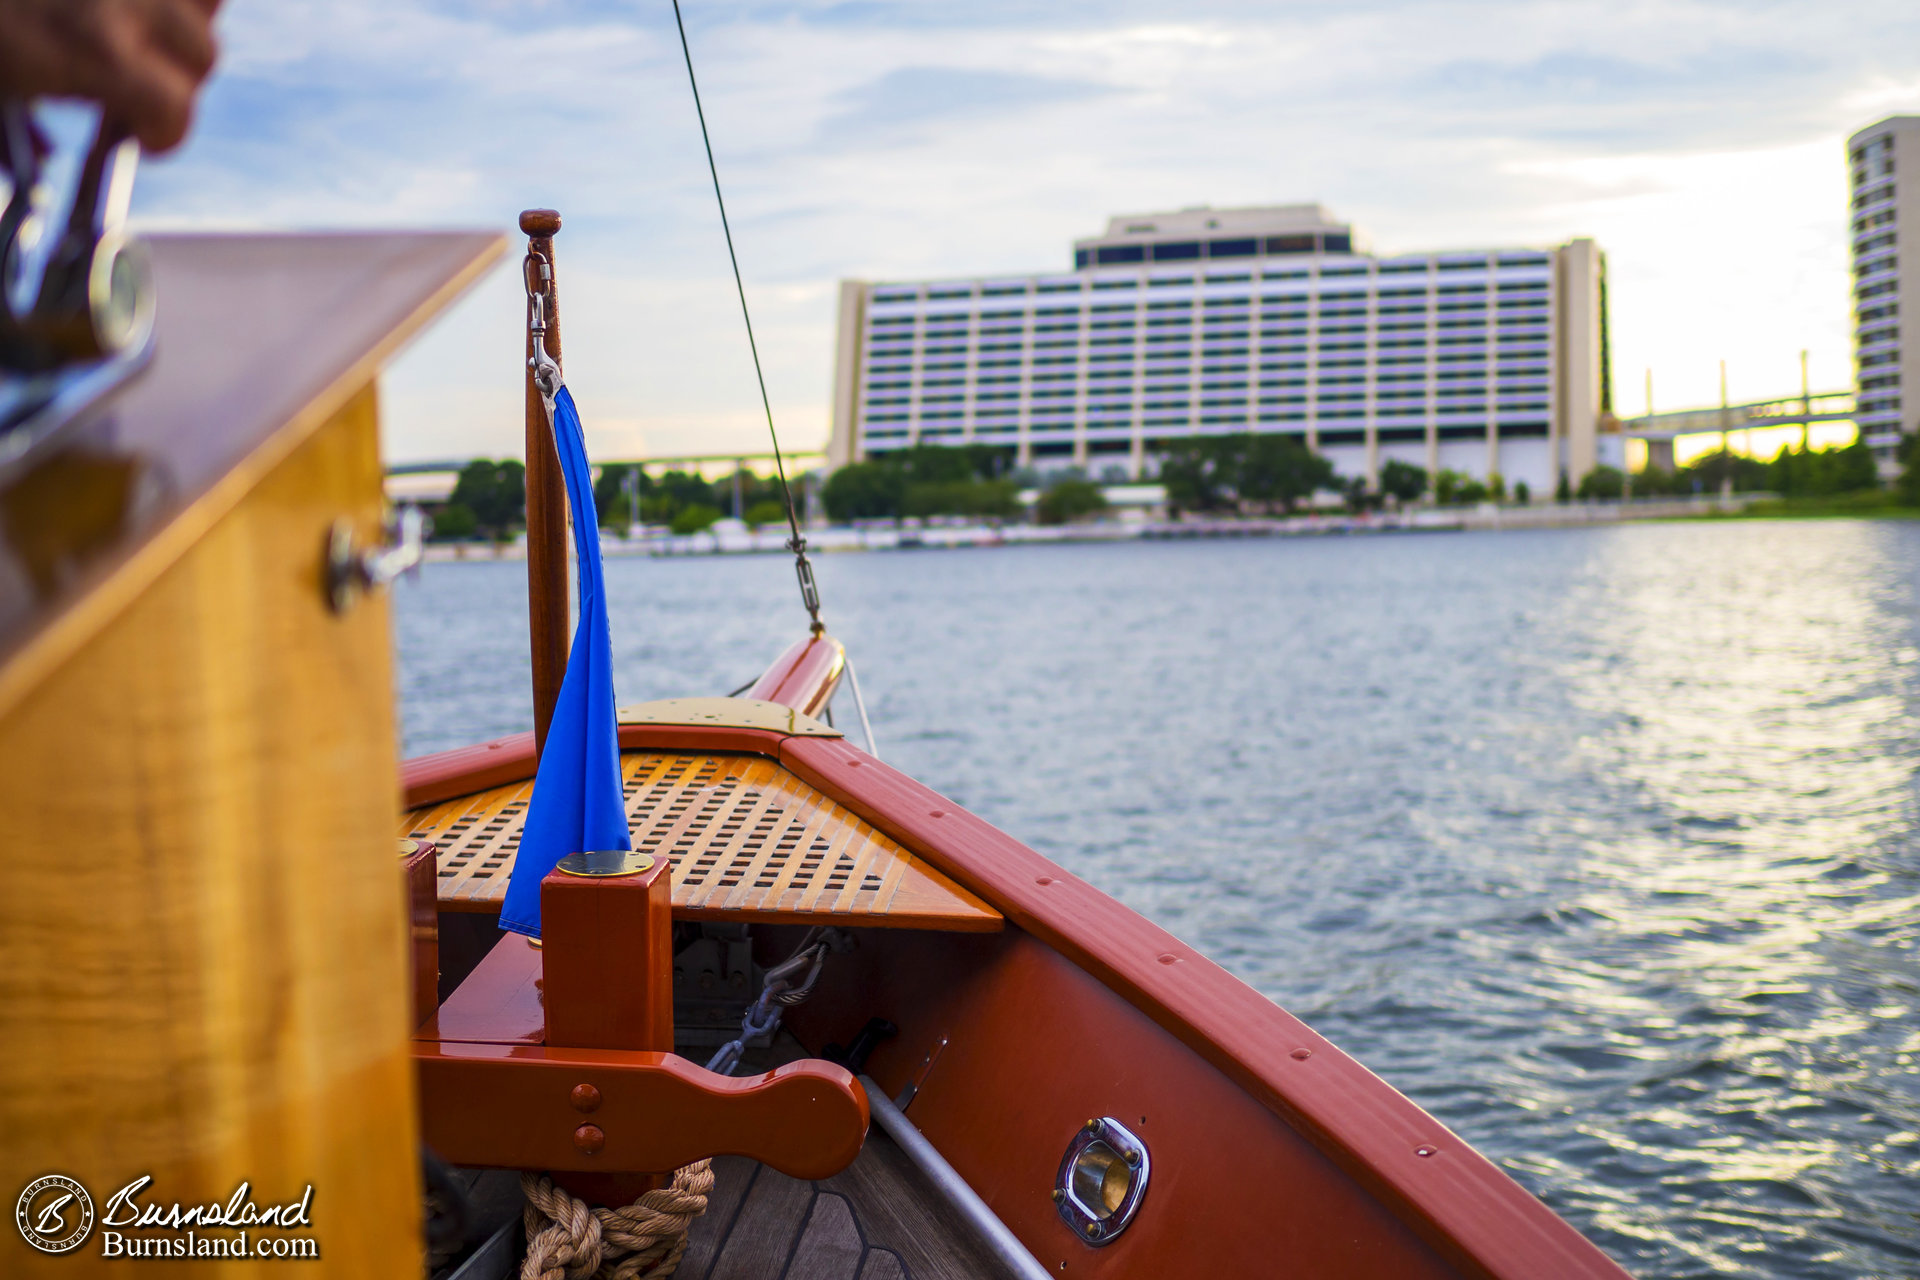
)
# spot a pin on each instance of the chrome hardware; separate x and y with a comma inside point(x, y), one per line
point(85, 325)
point(1102, 1179)
point(95, 296)
point(351, 570)
point(919, 1077)
point(537, 274)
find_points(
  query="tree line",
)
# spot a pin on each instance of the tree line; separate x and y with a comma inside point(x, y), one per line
point(1246, 474)
point(963, 480)
point(1796, 472)
point(489, 500)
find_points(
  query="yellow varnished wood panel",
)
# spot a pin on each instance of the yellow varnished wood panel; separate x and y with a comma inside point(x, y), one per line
point(749, 842)
point(203, 967)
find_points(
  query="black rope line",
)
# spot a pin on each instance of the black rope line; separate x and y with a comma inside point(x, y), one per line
point(809, 592)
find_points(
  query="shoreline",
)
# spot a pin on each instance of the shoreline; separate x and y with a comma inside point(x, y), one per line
point(738, 540)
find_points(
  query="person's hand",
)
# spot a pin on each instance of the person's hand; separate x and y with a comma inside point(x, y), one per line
point(141, 60)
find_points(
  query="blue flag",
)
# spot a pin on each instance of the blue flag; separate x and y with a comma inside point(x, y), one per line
point(578, 805)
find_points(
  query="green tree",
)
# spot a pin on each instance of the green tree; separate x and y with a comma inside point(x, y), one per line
point(1065, 501)
point(1908, 484)
point(1358, 496)
point(694, 518)
point(1714, 471)
point(1402, 481)
point(683, 489)
point(496, 494)
point(1522, 492)
point(767, 511)
point(971, 497)
point(1277, 469)
point(610, 494)
point(1603, 482)
point(1853, 468)
point(1201, 474)
point(454, 523)
point(1448, 487)
point(926, 480)
point(864, 491)
point(1563, 491)
point(1652, 481)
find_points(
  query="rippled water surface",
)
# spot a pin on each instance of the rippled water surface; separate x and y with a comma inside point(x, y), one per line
point(1599, 844)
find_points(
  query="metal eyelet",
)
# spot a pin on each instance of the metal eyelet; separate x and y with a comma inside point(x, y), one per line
point(1102, 1179)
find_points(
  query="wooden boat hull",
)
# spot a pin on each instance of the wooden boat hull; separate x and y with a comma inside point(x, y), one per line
point(1270, 1147)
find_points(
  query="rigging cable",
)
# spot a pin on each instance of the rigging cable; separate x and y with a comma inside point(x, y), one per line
point(802, 567)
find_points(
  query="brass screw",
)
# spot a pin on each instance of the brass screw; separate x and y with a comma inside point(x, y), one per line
point(1093, 1126)
point(1133, 1155)
point(1093, 1229)
point(1058, 1195)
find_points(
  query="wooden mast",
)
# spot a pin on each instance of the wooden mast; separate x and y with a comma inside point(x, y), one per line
point(546, 508)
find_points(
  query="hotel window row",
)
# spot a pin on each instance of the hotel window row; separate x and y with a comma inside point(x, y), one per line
point(1186, 352)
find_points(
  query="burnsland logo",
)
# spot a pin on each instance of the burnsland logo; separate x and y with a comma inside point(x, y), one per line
point(55, 1215)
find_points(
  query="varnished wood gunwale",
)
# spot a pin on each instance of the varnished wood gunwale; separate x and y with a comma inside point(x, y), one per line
point(805, 676)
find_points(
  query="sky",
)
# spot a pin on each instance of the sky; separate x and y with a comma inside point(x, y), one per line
point(1701, 144)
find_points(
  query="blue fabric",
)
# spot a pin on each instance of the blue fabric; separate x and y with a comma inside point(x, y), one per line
point(577, 803)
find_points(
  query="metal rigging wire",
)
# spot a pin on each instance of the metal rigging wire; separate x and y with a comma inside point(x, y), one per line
point(803, 568)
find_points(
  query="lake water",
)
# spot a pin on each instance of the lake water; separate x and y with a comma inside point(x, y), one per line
point(1603, 845)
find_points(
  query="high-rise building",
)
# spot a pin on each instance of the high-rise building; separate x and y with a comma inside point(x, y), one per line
point(1221, 321)
point(1883, 183)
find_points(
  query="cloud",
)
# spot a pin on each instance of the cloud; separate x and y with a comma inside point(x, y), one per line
point(1578, 77)
point(895, 140)
point(913, 97)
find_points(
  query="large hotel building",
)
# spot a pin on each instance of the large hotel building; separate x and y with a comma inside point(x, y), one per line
point(1221, 321)
point(1885, 164)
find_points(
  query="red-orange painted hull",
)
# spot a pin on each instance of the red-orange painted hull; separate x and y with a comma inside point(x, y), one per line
point(1272, 1150)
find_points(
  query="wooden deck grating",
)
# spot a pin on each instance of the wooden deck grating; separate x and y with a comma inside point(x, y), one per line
point(748, 840)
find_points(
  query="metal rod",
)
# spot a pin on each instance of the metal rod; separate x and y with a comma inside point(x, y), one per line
point(993, 1233)
point(860, 705)
point(547, 610)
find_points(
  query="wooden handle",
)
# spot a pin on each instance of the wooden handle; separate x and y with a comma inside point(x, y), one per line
point(546, 510)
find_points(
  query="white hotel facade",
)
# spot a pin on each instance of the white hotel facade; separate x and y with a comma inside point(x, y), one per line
point(1884, 164)
point(1223, 321)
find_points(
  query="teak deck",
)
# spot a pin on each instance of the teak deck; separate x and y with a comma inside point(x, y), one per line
point(749, 842)
point(875, 1220)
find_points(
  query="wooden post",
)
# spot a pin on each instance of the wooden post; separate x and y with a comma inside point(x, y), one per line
point(546, 510)
point(607, 980)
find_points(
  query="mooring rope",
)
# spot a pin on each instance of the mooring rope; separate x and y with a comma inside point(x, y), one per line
point(569, 1240)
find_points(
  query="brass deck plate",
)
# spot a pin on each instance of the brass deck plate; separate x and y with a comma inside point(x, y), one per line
point(731, 713)
point(749, 842)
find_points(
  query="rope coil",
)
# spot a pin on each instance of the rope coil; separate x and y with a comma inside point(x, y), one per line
point(569, 1240)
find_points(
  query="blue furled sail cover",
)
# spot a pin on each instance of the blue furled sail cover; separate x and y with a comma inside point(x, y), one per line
point(577, 806)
